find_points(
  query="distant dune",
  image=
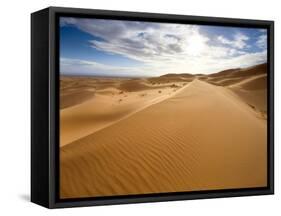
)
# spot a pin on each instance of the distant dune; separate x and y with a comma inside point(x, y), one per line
point(182, 75)
point(171, 133)
point(250, 84)
point(241, 72)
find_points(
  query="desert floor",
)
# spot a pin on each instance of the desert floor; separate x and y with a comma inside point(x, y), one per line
point(177, 132)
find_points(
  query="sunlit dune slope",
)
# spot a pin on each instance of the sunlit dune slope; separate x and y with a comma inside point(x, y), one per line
point(90, 104)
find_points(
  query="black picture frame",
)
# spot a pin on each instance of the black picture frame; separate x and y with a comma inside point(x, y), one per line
point(45, 105)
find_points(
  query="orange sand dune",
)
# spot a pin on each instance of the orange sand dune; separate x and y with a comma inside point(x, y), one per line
point(251, 71)
point(141, 85)
point(75, 97)
point(200, 137)
point(253, 83)
point(250, 84)
point(241, 72)
point(82, 116)
point(169, 78)
point(254, 92)
point(76, 90)
point(233, 76)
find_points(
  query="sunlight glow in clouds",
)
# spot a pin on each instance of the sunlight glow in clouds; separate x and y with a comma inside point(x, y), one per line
point(153, 49)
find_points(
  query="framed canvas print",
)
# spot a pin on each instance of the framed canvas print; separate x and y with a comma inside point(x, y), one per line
point(138, 107)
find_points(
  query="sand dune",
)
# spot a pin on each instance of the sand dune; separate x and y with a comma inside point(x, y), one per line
point(75, 97)
point(250, 84)
point(253, 83)
point(251, 71)
point(253, 91)
point(81, 116)
point(76, 90)
point(199, 137)
point(224, 73)
point(170, 78)
point(233, 76)
point(241, 72)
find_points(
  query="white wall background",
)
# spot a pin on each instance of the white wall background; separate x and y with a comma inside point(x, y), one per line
point(15, 107)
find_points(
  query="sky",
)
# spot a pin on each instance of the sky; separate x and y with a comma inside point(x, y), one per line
point(99, 47)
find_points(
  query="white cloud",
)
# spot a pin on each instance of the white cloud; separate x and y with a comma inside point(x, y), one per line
point(262, 41)
point(154, 42)
point(161, 48)
point(263, 30)
point(239, 41)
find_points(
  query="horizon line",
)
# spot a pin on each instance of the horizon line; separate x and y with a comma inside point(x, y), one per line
point(131, 76)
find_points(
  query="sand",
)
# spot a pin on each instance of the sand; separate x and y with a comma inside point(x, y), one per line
point(106, 106)
point(250, 84)
point(187, 134)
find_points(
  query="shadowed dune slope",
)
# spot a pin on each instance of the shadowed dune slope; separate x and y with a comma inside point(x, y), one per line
point(253, 83)
point(182, 75)
point(251, 71)
point(168, 78)
point(224, 73)
point(241, 72)
point(201, 138)
point(233, 76)
point(250, 84)
point(253, 91)
point(77, 90)
point(75, 98)
point(136, 85)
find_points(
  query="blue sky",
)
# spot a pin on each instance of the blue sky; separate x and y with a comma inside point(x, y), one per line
point(128, 48)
